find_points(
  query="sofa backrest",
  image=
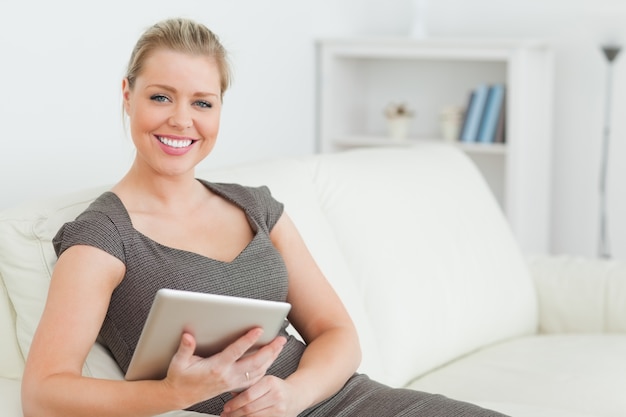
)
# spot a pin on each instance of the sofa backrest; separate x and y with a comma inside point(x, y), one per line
point(436, 263)
point(411, 239)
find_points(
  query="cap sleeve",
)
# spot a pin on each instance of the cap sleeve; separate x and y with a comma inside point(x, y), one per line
point(92, 228)
point(273, 208)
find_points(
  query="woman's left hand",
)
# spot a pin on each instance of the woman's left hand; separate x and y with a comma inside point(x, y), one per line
point(270, 397)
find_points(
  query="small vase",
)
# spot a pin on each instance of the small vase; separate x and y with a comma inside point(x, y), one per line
point(398, 127)
point(451, 119)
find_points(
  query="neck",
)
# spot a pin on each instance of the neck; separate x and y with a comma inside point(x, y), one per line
point(150, 191)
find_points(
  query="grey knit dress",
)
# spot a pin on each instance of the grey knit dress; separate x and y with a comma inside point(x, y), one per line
point(257, 272)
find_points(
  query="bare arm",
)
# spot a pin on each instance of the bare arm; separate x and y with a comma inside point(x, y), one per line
point(78, 298)
point(333, 352)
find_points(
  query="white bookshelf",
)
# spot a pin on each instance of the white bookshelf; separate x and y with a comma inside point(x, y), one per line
point(357, 78)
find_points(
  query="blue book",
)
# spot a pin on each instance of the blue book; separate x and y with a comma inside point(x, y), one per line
point(493, 108)
point(474, 114)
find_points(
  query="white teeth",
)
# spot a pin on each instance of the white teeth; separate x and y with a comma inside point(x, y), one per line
point(175, 143)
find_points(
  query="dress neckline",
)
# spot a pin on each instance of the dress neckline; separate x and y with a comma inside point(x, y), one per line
point(251, 221)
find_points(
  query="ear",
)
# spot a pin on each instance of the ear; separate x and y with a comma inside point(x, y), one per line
point(126, 95)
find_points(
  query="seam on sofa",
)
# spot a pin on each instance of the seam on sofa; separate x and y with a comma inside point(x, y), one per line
point(41, 249)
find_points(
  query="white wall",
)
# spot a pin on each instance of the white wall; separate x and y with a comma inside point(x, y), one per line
point(62, 64)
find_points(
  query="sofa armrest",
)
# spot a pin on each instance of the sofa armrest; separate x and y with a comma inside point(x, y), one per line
point(580, 295)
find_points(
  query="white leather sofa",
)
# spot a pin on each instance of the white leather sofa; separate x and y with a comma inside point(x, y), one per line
point(418, 249)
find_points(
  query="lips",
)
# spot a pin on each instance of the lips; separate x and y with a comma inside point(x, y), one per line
point(175, 145)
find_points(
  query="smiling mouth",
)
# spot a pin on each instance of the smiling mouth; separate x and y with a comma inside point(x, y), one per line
point(175, 143)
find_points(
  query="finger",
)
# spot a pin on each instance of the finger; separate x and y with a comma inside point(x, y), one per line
point(240, 346)
point(269, 352)
point(245, 399)
point(252, 400)
point(186, 347)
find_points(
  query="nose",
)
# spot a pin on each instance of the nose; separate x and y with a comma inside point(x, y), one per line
point(181, 117)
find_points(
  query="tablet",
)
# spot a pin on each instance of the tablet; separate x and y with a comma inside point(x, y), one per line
point(214, 320)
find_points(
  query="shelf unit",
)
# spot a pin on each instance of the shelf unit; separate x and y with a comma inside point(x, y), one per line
point(357, 78)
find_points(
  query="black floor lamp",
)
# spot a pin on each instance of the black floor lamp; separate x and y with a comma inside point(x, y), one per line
point(610, 53)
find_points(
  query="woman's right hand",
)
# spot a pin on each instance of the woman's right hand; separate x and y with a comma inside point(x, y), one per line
point(194, 379)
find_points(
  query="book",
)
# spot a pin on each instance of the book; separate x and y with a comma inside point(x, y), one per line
point(464, 123)
point(474, 114)
point(501, 128)
point(491, 113)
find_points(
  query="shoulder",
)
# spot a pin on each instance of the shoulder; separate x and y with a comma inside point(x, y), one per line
point(257, 202)
point(232, 190)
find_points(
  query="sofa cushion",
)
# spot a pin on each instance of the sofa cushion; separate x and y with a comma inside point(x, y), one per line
point(27, 256)
point(11, 361)
point(10, 403)
point(576, 373)
point(525, 410)
point(429, 246)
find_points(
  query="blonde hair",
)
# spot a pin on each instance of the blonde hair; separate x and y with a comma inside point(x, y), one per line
point(180, 35)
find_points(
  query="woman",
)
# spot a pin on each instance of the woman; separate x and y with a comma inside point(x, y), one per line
point(161, 227)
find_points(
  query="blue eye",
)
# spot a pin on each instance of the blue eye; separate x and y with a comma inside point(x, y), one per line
point(204, 104)
point(159, 97)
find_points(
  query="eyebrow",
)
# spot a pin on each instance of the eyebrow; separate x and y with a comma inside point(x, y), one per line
point(173, 90)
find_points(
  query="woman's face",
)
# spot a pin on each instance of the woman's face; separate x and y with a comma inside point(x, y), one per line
point(174, 109)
